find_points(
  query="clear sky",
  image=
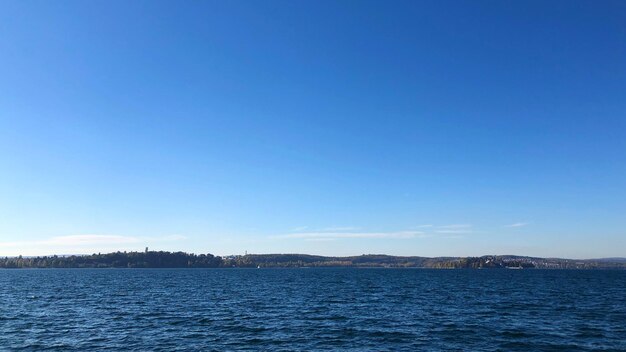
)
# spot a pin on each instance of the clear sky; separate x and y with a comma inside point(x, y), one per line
point(325, 127)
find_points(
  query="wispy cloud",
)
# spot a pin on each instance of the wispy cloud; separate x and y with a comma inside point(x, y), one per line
point(74, 240)
point(454, 229)
point(517, 224)
point(340, 229)
point(455, 226)
point(81, 244)
point(325, 229)
point(455, 236)
point(350, 232)
point(351, 235)
point(83, 240)
point(169, 238)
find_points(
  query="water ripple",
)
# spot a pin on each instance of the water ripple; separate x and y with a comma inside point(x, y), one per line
point(313, 309)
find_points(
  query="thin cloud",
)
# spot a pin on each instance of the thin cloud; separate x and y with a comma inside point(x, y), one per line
point(86, 240)
point(517, 224)
point(325, 229)
point(455, 236)
point(455, 226)
point(167, 238)
point(352, 235)
point(81, 244)
point(74, 240)
point(454, 229)
point(340, 229)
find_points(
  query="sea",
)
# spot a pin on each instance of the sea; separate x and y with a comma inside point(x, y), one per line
point(312, 309)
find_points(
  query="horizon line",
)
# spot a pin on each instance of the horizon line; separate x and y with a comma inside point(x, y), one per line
point(316, 255)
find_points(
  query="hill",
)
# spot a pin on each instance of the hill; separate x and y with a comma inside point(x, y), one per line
point(160, 259)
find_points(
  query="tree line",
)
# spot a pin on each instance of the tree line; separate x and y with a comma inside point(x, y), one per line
point(161, 259)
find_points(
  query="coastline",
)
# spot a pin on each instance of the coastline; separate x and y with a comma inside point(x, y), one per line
point(160, 259)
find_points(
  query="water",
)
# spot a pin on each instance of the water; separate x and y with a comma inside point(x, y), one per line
point(312, 309)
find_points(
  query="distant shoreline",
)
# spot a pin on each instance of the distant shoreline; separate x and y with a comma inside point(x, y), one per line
point(160, 259)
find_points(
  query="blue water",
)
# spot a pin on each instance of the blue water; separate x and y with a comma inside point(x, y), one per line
point(312, 309)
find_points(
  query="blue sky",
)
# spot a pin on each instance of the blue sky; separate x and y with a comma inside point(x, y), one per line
point(326, 127)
